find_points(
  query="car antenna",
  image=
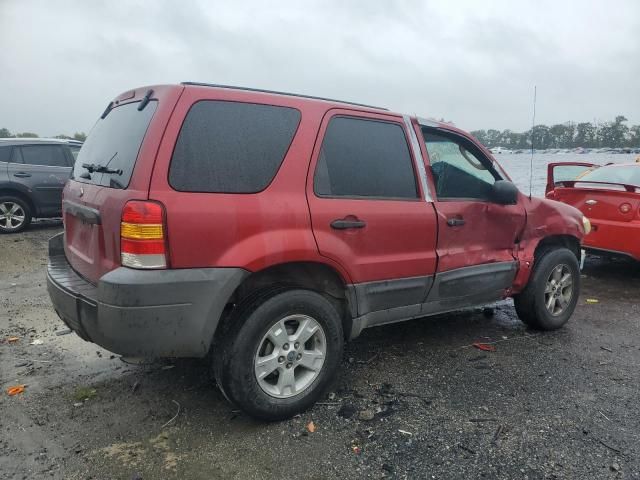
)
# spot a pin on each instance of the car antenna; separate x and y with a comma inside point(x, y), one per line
point(533, 124)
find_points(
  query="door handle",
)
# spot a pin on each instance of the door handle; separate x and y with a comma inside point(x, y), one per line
point(343, 224)
point(21, 174)
point(455, 222)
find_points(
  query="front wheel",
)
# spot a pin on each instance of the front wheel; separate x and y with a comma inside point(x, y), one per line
point(280, 353)
point(551, 296)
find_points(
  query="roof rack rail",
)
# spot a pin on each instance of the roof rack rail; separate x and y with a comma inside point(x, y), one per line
point(200, 84)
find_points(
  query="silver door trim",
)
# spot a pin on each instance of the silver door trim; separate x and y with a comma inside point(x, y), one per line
point(417, 154)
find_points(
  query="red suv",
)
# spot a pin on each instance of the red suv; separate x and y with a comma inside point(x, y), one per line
point(267, 228)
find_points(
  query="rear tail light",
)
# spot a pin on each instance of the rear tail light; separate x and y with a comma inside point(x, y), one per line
point(625, 208)
point(143, 236)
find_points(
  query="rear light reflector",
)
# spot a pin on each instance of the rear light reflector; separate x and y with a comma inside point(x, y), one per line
point(147, 247)
point(143, 241)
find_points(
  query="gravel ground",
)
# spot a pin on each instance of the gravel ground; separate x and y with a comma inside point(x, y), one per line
point(413, 400)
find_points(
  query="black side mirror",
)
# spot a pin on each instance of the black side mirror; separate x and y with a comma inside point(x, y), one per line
point(504, 193)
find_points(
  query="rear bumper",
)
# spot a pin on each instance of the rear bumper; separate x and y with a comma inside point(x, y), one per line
point(152, 313)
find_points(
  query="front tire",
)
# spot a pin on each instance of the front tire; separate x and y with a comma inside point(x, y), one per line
point(551, 296)
point(280, 352)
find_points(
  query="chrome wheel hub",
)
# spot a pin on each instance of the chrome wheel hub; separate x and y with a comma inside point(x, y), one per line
point(290, 356)
point(558, 290)
point(12, 216)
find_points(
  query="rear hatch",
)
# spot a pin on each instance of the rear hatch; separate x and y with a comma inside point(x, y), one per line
point(113, 166)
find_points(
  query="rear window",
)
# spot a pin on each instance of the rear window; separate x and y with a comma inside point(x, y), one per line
point(114, 143)
point(628, 175)
point(231, 147)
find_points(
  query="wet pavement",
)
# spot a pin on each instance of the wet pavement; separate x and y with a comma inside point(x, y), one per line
point(413, 400)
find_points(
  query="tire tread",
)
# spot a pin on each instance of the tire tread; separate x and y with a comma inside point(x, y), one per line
point(525, 302)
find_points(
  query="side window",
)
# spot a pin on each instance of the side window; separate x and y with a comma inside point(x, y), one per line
point(48, 155)
point(457, 173)
point(231, 147)
point(365, 158)
point(5, 154)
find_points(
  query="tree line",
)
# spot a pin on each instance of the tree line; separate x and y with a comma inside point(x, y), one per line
point(5, 133)
point(615, 134)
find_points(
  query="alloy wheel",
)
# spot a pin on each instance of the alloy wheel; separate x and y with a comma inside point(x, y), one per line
point(558, 290)
point(290, 356)
point(12, 216)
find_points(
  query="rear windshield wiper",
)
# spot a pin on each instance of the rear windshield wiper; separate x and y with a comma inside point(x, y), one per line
point(92, 167)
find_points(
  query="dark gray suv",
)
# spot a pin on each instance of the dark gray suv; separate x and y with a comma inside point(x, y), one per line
point(32, 175)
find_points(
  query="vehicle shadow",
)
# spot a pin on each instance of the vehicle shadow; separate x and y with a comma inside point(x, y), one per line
point(45, 223)
point(152, 389)
point(190, 383)
point(612, 268)
point(613, 279)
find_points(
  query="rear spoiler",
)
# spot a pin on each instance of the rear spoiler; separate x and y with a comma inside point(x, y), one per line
point(572, 184)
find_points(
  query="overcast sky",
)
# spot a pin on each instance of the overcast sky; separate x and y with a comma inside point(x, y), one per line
point(473, 63)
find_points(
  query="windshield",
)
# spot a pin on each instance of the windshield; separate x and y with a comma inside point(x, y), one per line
point(627, 174)
point(114, 143)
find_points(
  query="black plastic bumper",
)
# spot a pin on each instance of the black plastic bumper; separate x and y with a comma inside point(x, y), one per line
point(142, 313)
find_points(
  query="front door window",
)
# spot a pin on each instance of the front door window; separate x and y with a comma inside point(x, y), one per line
point(457, 172)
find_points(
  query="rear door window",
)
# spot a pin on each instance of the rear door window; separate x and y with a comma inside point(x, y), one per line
point(45, 155)
point(363, 158)
point(5, 154)
point(75, 150)
point(231, 147)
point(114, 143)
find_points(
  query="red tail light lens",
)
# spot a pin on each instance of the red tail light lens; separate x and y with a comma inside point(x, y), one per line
point(143, 235)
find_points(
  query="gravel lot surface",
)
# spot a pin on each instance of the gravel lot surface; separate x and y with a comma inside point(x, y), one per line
point(413, 400)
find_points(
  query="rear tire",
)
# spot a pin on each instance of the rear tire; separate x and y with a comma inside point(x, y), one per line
point(551, 296)
point(15, 214)
point(279, 352)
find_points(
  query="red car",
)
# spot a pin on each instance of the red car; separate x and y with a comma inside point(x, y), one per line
point(609, 196)
point(267, 228)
